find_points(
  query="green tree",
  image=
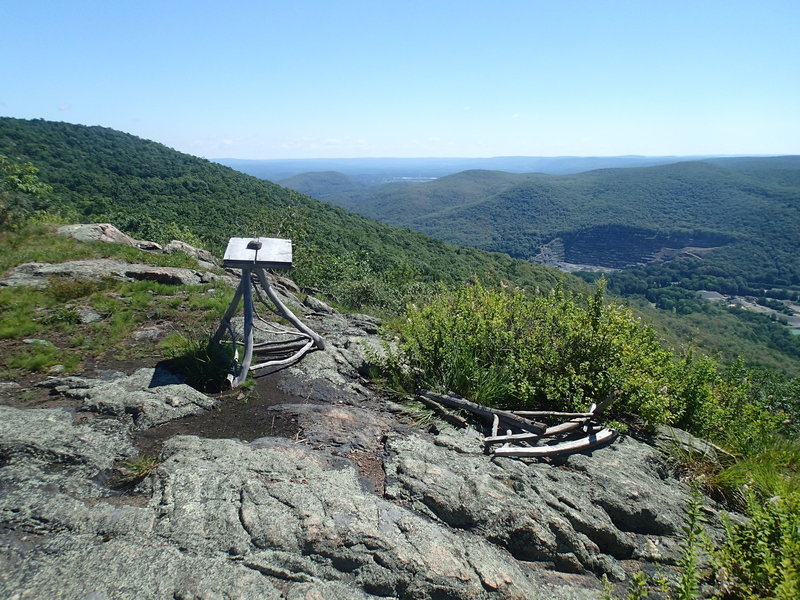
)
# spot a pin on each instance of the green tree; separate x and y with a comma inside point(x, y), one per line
point(19, 185)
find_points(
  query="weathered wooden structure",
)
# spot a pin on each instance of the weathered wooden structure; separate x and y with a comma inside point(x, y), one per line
point(253, 256)
point(531, 438)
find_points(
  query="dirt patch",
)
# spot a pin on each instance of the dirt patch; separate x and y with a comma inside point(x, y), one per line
point(370, 468)
point(240, 415)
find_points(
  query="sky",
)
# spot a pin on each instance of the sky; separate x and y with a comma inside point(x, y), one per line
point(407, 78)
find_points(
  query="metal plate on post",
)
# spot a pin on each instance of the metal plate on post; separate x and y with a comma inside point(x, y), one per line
point(245, 253)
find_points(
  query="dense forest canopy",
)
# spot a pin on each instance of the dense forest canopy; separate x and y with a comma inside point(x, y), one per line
point(746, 208)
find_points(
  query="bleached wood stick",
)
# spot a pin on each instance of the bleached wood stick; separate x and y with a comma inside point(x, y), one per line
point(485, 412)
point(586, 443)
point(514, 437)
point(247, 299)
point(495, 424)
point(507, 444)
point(226, 319)
point(548, 413)
point(286, 361)
point(448, 416)
point(285, 312)
point(607, 402)
point(564, 427)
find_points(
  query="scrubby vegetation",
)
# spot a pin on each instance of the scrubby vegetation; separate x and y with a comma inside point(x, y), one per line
point(507, 348)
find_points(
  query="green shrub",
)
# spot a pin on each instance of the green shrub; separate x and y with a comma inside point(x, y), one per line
point(507, 348)
point(761, 557)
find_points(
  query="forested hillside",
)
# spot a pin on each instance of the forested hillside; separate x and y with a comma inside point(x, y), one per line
point(747, 208)
point(153, 192)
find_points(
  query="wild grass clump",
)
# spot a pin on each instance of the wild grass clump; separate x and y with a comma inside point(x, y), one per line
point(136, 470)
point(202, 364)
point(64, 289)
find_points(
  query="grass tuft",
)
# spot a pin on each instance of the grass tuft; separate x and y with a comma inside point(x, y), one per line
point(202, 364)
point(134, 471)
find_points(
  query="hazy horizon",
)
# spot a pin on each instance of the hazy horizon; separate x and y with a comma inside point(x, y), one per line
point(355, 79)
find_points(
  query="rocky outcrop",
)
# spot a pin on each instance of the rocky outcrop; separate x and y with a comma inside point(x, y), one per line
point(104, 232)
point(37, 274)
point(588, 513)
point(358, 501)
point(204, 258)
point(149, 396)
point(224, 519)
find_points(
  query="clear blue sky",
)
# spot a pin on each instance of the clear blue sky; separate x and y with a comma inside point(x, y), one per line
point(340, 78)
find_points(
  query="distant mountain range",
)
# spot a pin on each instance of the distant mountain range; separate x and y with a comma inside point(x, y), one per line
point(728, 224)
point(611, 217)
point(372, 171)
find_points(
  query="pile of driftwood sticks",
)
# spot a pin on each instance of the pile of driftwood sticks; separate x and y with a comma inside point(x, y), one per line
point(518, 435)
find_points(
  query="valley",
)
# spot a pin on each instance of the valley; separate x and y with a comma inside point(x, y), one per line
point(657, 234)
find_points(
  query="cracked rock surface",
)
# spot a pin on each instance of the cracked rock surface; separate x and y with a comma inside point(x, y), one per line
point(361, 503)
point(148, 396)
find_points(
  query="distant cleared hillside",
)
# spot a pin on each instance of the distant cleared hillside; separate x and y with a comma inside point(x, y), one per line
point(748, 208)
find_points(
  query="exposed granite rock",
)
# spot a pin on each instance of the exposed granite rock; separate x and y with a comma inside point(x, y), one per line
point(149, 396)
point(317, 305)
point(36, 274)
point(341, 429)
point(95, 568)
point(50, 434)
point(88, 315)
point(672, 439)
point(203, 257)
point(104, 232)
point(589, 512)
point(269, 519)
point(50, 465)
point(274, 499)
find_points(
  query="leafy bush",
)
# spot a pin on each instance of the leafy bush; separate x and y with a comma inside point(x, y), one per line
point(353, 280)
point(503, 347)
point(761, 558)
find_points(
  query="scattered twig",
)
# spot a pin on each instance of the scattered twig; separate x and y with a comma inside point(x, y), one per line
point(445, 414)
point(485, 412)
